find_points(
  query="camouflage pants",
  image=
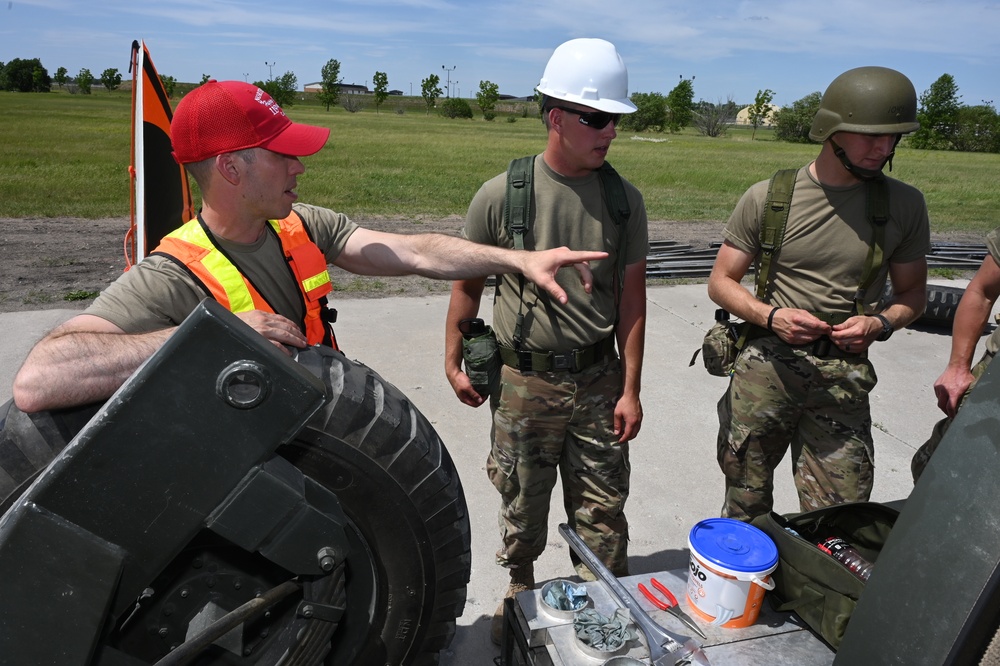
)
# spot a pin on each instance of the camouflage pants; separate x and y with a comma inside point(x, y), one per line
point(926, 450)
point(782, 397)
point(549, 424)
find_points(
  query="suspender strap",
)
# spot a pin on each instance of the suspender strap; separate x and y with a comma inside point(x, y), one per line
point(877, 195)
point(772, 230)
point(517, 203)
point(516, 217)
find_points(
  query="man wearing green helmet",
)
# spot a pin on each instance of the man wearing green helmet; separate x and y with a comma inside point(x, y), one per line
point(802, 377)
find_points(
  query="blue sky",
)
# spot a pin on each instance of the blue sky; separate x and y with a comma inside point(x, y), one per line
point(732, 48)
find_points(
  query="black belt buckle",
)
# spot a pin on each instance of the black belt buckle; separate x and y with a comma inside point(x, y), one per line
point(564, 361)
point(822, 346)
point(524, 362)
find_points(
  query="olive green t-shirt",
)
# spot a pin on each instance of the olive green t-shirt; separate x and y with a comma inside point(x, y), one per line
point(822, 257)
point(564, 211)
point(158, 293)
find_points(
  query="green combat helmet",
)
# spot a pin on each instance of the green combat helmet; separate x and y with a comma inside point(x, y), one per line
point(866, 100)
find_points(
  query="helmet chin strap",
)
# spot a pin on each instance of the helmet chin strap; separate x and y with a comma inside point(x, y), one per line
point(860, 173)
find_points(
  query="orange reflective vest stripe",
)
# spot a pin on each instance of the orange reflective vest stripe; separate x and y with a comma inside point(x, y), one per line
point(194, 247)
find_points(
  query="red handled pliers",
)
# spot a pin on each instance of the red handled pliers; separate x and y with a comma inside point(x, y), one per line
point(670, 605)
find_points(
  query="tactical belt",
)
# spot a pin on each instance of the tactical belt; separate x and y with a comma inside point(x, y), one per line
point(822, 347)
point(573, 361)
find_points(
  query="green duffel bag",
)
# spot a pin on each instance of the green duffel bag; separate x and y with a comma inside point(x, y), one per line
point(808, 580)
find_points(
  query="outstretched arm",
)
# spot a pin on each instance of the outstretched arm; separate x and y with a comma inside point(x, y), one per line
point(451, 258)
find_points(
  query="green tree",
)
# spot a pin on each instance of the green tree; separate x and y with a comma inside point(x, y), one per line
point(758, 112)
point(430, 90)
point(977, 129)
point(792, 123)
point(487, 98)
point(61, 77)
point(651, 113)
point(456, 107)
point(381, 83)
point(680, 105)
point(26, 76)
point(938, 115)
point(205, 78)
point(331, 83)
point(40, 79)
point(282, 89)
point(84, 80)
point(169, 84)
point(111, 79)
point(3, 76)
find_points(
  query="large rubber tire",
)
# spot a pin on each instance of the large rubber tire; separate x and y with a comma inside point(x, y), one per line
point(411, 539)
point(942, 302)
point(410, 559)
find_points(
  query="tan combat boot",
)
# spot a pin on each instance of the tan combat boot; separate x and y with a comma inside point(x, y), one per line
point(521, 578)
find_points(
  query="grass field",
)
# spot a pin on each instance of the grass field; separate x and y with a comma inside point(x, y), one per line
point(68, 155)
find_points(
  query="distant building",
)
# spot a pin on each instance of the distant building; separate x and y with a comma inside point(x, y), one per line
point(743, 117)
point(345, 88)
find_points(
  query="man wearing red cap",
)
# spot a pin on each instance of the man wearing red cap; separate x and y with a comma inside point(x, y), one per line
point(252, 248)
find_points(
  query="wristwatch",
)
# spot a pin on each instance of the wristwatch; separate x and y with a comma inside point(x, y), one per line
point(887, 328)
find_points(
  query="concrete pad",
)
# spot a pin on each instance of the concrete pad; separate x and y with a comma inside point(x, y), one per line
point(675, 478)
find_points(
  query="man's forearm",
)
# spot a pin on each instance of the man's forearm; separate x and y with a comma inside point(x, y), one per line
point(452, 258)
point(78, 368)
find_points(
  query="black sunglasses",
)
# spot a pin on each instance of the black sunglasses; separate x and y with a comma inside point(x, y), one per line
point(596, 119)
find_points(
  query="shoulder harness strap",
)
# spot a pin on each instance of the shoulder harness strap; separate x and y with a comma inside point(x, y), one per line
point(772, 229)
point(877, 195)
point(517, 202)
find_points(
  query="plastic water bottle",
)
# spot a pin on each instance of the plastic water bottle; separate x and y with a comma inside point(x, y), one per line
point(849, 556)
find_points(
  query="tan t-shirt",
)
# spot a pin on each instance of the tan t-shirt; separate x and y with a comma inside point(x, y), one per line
point(821, 260)
point(158, 293)
point(993, 246)
point(570, 212)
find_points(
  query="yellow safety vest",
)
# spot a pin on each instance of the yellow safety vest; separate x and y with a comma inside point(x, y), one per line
point(194, 246)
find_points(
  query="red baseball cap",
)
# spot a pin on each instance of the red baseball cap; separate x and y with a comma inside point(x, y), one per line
point(226, 116)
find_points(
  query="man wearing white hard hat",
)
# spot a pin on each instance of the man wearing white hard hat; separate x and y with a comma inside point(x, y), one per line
point(568, 398)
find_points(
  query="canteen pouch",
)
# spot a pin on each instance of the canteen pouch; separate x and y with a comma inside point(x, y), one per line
point(810, 583)
point(720, 347)
point(481, 354)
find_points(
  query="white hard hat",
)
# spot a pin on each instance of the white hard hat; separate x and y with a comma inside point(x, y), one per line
point(588, 72)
